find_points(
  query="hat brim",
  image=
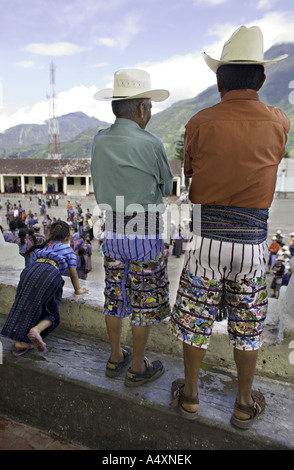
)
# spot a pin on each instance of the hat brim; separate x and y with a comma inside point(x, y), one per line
point(214, 64)
point(153, 95)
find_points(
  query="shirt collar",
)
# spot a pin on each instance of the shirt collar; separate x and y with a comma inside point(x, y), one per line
point(125, 122)
point(241, 95)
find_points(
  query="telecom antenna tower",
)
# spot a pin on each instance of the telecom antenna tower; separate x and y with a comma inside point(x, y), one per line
point(53, 125)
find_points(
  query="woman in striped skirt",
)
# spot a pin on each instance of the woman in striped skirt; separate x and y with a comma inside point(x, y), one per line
point(35, 311)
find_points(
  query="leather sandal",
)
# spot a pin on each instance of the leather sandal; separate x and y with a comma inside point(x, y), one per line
point(113, 369)
point(153, 370)
point(254, 411)
point(180, 398)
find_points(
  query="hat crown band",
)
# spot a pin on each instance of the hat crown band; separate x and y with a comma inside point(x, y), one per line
point(127, 83)
point(130, 86)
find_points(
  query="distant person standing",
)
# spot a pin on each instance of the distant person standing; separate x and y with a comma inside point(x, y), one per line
point(232, 153)
point(11, 234)
point(273, 252)
point(291, 244)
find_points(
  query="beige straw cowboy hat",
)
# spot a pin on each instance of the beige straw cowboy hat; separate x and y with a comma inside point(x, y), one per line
point(131, 84)
point(245, 46)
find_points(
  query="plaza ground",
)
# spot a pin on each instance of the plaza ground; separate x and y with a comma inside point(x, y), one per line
point(16, 436)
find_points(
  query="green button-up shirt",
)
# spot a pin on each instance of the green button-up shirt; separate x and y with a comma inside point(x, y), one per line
point(131, 162)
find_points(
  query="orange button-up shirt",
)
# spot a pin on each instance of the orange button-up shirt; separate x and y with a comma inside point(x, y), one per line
point(233, 149)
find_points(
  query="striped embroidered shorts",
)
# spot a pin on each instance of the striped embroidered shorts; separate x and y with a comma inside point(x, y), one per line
point(218, 272)
point(136, 282)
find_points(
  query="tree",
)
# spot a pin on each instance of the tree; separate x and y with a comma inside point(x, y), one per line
point(179, 151)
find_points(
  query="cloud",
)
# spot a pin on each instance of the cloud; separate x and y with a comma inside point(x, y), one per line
point(107, 42)
point(276, 27)
point(25, 64)
point(126, 30)
point(79, 98)
point(210, 2)
point(184, 76)
point(265, 4)
point(99, 65)
point(130, 28)
point(54, 49)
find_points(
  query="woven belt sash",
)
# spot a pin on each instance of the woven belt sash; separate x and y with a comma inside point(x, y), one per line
point(49, 261)
point(140, 223)
point(232, 224)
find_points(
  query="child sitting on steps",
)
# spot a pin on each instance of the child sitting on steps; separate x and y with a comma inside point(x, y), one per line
point(35, 311)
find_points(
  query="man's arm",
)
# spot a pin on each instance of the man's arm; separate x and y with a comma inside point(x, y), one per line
point(166, 176)
point(188, 170)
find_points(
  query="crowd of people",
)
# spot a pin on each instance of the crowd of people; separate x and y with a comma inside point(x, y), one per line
point(280, 252)
point(27, 228)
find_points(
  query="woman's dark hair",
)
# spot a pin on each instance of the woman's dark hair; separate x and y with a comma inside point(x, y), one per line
point(240, 77)
point(22, 236)
point(59, 231)
point(81, 254)
point(31, 233)
point(12, 225)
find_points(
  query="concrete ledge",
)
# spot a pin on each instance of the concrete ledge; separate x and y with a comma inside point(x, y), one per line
point(66, 394)
point(83, 314)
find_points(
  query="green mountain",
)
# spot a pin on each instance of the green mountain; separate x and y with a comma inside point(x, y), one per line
point(77, 130)
point(31, 140)
point(170, 123)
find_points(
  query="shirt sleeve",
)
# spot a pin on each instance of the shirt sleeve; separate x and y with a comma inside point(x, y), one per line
point(188, 170)
point(72, 259)
point(165, 173)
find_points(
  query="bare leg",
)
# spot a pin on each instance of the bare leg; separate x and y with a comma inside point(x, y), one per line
point(20, 345)
point(246, 363)
point(140, 338)
point(193, 358)
point(41, 326)
point(114, 327)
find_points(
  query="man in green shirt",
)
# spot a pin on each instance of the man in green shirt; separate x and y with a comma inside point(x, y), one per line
point(131, 175)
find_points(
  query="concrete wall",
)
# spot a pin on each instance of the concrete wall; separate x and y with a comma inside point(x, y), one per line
point(84, 314)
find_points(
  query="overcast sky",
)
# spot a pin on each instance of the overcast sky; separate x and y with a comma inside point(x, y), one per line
point(89, 40)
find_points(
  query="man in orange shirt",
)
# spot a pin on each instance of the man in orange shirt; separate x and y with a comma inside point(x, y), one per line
point(273, 251)
point(232, 153)
point(68, 208)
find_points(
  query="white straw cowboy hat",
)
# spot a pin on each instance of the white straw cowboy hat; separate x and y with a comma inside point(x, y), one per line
point(245, 46)
point(131, 84)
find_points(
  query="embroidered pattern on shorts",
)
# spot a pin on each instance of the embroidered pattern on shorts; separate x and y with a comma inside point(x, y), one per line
point(137, 288)
point(199, 298)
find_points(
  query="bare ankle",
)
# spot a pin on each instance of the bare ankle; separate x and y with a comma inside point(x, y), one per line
point(190, 408)
point(20, 345)
point(139, 366)
point(117, 356)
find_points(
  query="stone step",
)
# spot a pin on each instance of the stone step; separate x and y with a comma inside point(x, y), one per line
point(65, 393)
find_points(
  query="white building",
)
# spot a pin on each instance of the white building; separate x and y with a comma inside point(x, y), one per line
point(285, 179)
point(67, 176)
